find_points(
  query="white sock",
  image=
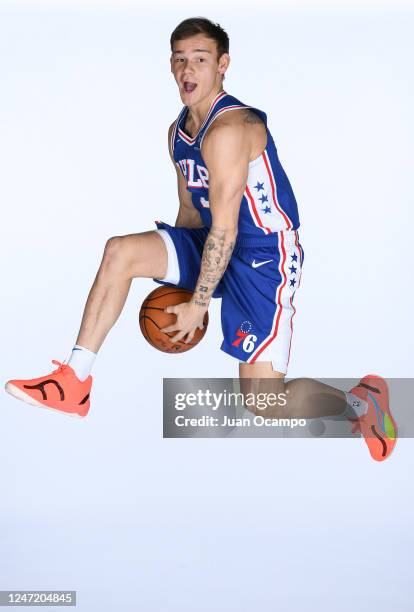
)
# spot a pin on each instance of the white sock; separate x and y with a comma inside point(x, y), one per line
point(354, 405)
point(81, 361)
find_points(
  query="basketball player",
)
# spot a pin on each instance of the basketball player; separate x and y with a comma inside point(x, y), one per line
point(235, 237)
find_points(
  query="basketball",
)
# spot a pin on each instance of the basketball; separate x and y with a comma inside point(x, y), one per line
point(152, 319)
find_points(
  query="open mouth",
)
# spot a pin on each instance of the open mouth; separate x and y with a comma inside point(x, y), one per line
point(189, 87)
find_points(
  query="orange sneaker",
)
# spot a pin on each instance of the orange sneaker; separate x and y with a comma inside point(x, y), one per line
point(60, 390)
point(377, 424)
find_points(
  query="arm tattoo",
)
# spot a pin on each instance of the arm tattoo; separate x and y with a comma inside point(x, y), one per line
point(251, 117)
point(216, 256)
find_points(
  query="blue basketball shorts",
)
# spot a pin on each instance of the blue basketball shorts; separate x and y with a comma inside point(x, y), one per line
point(257, 289)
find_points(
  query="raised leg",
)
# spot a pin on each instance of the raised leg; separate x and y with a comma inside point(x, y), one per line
point(124, 258)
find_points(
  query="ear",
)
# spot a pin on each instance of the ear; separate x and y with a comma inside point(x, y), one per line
point(223, 63)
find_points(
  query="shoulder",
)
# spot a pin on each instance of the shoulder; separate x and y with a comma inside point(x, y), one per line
point(242, 123)
point(238, 131)
point(231, 124)
point(226, 143)
point(240, 117)
point(225, 132)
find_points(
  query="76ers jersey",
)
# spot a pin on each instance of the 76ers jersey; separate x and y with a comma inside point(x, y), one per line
point(268, 204)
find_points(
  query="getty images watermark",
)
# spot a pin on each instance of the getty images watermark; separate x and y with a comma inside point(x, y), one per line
point(265, 408)
point(218, 402)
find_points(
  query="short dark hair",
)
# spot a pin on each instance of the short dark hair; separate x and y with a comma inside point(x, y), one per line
point(201, 25)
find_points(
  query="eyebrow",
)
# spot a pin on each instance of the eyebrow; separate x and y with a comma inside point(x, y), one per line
point(195, 51)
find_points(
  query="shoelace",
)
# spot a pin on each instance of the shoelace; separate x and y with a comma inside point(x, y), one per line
point(62, 369)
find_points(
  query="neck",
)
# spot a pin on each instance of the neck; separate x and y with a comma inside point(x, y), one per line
point(198, 112)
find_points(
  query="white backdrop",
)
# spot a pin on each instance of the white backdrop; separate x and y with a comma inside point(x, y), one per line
point(106, 503)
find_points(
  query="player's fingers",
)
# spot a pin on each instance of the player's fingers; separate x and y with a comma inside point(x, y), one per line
point(170, 309)
point(178, 337)
point(170, 328)
point(201, 326)
point(190, 337)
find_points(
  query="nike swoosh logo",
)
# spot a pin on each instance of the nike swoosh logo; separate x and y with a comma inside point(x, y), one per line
point(257, 264)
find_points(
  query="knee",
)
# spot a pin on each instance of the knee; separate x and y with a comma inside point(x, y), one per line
point(114, 252)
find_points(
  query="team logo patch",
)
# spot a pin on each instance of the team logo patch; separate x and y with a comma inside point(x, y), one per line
point(244, 339)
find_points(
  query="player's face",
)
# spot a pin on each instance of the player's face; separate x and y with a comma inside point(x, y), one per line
point(196, 68)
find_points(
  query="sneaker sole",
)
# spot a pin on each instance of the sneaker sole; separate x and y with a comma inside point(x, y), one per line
point(372, 378)
point(25, 397)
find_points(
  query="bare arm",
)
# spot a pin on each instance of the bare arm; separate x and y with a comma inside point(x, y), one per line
point(226, 152)
point(188, 215)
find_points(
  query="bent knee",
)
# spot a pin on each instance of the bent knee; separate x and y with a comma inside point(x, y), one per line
point(116, 252)
point(136, 255)
point(113, 244)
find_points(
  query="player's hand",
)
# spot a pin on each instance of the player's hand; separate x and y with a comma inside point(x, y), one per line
point(189, 318)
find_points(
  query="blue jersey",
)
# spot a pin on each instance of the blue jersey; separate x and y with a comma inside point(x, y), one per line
point(268, 204)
